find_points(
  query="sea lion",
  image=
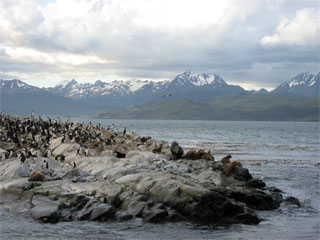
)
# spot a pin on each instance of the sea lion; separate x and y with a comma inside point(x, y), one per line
point(201, 154)
point(226, 159)
point(176, 150)
point(231, 166)
point(36, 176)
point(157, 148)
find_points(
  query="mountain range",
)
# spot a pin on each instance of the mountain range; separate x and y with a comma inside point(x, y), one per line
point(106, 99)
point(191, 85)
point(137, 92)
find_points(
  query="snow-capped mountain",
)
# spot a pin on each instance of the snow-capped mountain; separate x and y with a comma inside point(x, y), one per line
point(77, 90)
point(21, 98)
point(194, 79)
point(17, 86)
point(130, 92)
point(304, 84)
point(71, 97)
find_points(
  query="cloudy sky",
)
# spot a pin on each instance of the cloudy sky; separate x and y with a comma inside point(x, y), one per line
point(252, 43)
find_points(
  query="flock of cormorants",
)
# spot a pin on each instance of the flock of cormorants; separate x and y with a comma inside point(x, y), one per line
point(30, 137)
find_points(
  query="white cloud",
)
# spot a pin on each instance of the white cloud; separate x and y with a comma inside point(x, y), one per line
point(29, 55)
point(303, 29)
point(55, 40)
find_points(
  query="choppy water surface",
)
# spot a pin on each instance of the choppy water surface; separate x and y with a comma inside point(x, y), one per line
point(287, 151)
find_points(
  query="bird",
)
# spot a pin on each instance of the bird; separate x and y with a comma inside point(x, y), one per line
point(167, 95)
point(60, 158)
point(22, 157)
point(9, 154)
point(45, 164)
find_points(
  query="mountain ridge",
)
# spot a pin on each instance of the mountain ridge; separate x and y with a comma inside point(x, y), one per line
point(21, 98)
point(86, 98)
point(122, 93)
point(304, 84)
point(246, 107)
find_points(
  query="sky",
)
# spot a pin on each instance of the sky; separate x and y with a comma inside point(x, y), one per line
point(251, 43)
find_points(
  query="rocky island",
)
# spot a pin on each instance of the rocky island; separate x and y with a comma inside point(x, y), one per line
point(68, 171)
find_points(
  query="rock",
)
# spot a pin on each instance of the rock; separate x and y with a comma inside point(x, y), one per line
point(154, 215)
point(135, 208)
point(256, 183)
point(241, 174)
point(116, 171)
point(273, 189)
point(78, 201)
point(36, 176)
point(292, 201)
point(102, 212)
point(65, 149)
point(277, 198)
point(45, 210)
point(29, 186)
point(54, 143)
point(71, 174)
point(255, 199)
point(246, 218)
point(188, 198)
point(176, 150)
point(123, 216)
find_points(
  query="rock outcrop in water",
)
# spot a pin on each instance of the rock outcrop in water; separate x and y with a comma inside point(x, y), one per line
point(96, 174)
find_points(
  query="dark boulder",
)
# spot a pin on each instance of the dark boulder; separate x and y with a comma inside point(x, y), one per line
point(123, 216)
point(256, 183)
point(292, 201)
point(102, 212)
point(255, 199)
point(154, 215)
point(96, 211)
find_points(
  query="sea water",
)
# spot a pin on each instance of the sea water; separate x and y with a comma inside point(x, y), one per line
point(287, 152)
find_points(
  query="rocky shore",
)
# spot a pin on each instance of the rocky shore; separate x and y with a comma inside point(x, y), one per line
point(66, 171)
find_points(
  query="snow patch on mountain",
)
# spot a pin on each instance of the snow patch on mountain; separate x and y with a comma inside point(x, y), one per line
point(64, 83)
point(304, 84)
point(199, 79)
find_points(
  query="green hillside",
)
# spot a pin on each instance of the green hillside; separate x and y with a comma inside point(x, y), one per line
point(244, 106)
